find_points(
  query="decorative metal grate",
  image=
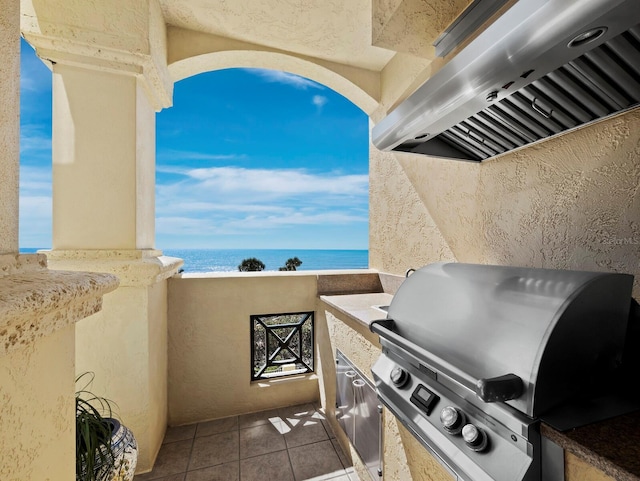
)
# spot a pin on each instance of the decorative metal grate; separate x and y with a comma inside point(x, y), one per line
point(281, 344)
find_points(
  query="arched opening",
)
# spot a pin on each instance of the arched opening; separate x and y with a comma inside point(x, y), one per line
point(284, 165)
point(261, 163)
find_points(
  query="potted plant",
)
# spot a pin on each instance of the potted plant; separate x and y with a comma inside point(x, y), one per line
point(105, 449)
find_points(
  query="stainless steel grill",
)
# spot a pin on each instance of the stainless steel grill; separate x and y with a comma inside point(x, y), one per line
point(475, 356)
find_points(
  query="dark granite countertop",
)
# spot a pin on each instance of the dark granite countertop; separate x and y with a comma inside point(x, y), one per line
point(613, 446)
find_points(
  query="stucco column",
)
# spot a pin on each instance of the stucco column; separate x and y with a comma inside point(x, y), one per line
point(109, 78)
point(103, 161)
point(103, 220)
point(9, 123)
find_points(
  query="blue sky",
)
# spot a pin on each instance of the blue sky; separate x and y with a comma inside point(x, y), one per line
point(245, 158)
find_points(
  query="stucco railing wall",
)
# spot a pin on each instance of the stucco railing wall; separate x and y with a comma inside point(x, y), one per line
point(209, 343)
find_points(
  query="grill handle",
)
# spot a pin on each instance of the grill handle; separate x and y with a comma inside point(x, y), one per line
point(384, 328)
point(499, 389)
point(495, 389)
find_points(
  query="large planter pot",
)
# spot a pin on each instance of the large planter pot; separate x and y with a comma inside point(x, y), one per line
point(125, 455)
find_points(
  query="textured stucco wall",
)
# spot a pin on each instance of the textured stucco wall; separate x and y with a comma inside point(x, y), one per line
point(37, 433)
point(412, 26)
point(571, 202)
point(578, 470)
point(191, 53)
point(125, 344)
point(101, 341)
point(9, 124)
point(103, 151)
point(362, 349)
point(209, 343)
point(158, 367)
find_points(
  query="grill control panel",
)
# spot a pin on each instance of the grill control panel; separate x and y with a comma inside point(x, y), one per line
point(464, 439)
point(475, 438)
point(399, 377)
point(454, 422)
point(424, 399)
point(452, 419)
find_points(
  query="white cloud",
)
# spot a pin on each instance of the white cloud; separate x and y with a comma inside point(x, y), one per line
point(34, 138)
point(185, 225)
point(35, 180)
point(34, 75)
point(319, 101)
point(189, 155)
point(287, 78)
point(278, 182)
point(222, 201)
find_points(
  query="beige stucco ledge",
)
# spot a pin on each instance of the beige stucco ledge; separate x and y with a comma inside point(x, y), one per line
point(35, 302)
point(133, 267)
point(358, 296)
point(18, 263)
point(360, 307)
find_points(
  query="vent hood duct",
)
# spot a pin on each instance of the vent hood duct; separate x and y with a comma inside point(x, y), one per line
point(541, 69)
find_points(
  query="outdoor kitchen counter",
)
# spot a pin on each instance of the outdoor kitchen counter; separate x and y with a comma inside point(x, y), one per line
point(613, 446)
point(359, 307)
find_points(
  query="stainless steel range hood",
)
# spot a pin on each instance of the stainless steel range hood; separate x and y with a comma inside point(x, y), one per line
point(541, 69)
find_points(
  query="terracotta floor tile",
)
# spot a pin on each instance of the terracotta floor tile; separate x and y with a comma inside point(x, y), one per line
point(213, 450)
point(179, 433)
point(273, 466)
point(222, 472)
point(305, 431)
point(173, 477)
point(173, 458)
point(298, 411)
point(258, 419)
point(259, 440)
point(217, 426)
point(288, 444)
point(317, 460)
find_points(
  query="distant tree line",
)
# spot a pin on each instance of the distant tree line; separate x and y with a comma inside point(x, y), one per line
point(253, 264)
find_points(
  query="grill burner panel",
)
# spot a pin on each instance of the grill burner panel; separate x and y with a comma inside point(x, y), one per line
point(508, 455)
point(497, 348)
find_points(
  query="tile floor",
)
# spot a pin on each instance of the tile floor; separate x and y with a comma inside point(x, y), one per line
point(287, 444)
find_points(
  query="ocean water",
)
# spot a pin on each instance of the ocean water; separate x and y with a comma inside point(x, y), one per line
point(227, 260)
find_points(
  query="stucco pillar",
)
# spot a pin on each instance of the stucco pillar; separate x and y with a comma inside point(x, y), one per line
point(103, 220)
point(103, 161)
point(109, 78)
point(9, 123)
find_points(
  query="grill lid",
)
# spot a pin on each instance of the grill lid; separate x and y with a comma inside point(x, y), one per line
point(558, 332)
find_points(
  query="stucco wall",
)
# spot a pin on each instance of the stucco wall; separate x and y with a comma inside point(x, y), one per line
point(361, 348)
point(9, 123)
point(209, 343)
point(125, 345)
point(571, 202)
point(37, 435)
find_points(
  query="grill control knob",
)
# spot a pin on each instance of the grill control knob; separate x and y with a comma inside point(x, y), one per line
point(475, 437)
point(452, 419)
point(399, 377)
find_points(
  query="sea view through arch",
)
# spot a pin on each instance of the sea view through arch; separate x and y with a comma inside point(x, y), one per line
point(227, 260)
